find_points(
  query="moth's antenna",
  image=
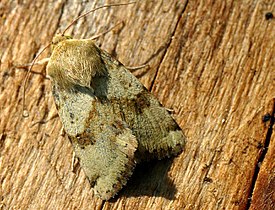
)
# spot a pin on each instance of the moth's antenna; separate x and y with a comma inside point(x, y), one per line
point(100, 7)
point(25, 111)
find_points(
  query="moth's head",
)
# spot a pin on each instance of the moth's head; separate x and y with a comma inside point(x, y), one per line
point(59, 38)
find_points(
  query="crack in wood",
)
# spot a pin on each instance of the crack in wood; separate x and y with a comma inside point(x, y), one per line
point(262, 156)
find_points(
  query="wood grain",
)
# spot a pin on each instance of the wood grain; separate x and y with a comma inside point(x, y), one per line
point(212, 62)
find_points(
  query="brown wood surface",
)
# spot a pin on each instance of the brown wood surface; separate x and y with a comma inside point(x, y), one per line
point(212, 62)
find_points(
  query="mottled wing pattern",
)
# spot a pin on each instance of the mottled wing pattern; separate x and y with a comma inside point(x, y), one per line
point(109, 116)
point(157, 133)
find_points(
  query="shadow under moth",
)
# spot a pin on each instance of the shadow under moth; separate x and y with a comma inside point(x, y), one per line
point(111, 119)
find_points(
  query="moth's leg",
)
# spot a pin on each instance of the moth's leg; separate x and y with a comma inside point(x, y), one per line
point(63, 132)
point(46, 121)
point(133, 68)
point(170, 111)
point(74, 163)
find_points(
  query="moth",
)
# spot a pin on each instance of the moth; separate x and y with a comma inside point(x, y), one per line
point(111, 119)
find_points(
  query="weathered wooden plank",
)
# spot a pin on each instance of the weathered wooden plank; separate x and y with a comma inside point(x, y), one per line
point(212, 62)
